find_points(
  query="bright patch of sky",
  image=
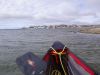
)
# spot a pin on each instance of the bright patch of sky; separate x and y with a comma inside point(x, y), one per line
point(48, 12)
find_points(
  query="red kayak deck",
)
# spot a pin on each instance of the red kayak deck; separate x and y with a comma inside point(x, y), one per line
point(79, 65)
point(76, 65)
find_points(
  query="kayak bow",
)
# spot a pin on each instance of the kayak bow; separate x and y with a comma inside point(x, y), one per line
point(58, 54)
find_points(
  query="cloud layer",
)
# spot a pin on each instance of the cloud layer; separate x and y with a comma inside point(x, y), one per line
point(50, 11)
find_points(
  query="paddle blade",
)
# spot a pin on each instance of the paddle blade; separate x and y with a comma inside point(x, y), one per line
point(31, 64)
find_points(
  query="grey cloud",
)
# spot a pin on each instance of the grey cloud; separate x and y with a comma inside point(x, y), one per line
point(64, 11)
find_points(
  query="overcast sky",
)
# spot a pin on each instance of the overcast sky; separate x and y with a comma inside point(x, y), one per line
point(52, 11)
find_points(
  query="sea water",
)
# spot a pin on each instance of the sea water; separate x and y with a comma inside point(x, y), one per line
point(16, 42)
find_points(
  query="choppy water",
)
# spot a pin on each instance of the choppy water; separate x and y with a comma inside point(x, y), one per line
point(14, 43)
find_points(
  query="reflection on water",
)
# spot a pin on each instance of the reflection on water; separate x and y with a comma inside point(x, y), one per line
point(14, 43)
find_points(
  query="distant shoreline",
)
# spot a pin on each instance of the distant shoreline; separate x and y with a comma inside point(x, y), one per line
point(90, 30)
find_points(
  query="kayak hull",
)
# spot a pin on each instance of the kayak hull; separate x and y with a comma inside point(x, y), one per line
point(76, 65)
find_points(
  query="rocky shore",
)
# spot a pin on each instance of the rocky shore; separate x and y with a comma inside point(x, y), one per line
point(90, 30)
